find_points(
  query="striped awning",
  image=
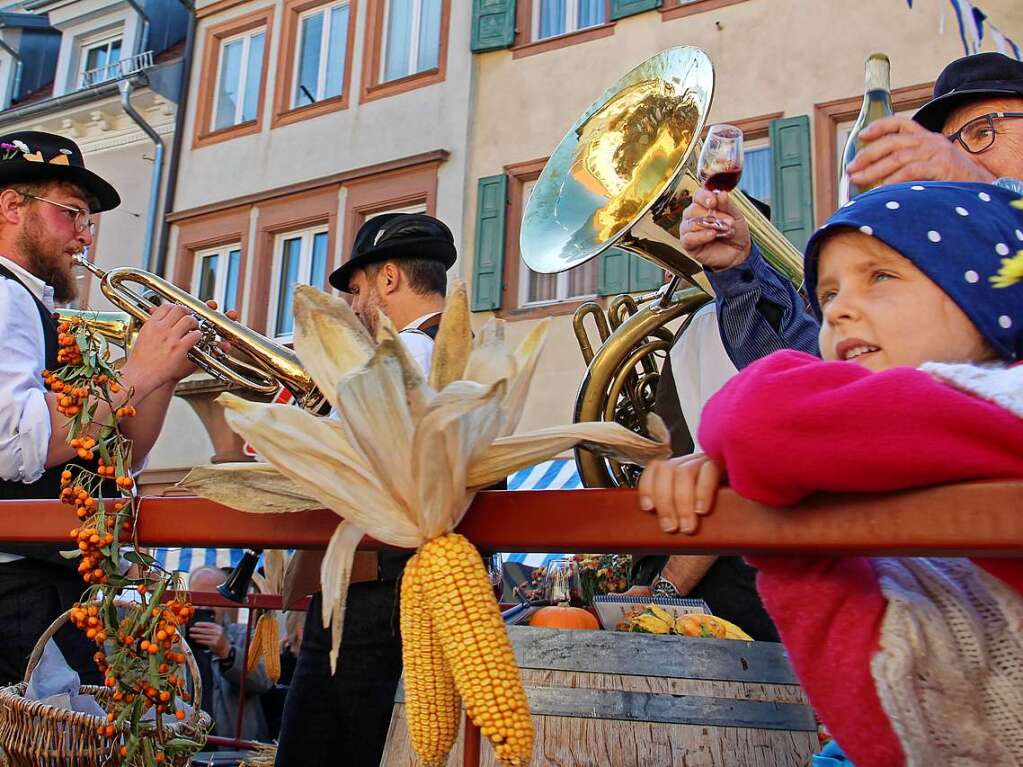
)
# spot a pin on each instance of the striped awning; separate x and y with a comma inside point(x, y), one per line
point(559, 474)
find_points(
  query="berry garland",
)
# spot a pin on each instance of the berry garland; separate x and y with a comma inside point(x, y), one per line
point(140, 653)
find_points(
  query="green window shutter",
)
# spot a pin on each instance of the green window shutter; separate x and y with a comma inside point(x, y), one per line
point(792, 205)
point(493, 24)
point(488, 271)
point(614, 272)
point(644, 275)
point(622, 8)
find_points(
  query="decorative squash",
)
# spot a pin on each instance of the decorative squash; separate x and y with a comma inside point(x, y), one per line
point(564, 617)
point(700, 625)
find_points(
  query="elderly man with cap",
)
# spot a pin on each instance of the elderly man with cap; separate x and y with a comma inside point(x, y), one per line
point(971, 130)
point(47, 202)
point(399, 268)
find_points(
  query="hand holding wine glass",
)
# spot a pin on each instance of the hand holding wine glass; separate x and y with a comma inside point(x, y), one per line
point(719, 169)
point(712, 231)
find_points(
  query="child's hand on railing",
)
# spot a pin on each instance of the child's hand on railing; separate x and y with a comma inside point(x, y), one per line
point(680, 490)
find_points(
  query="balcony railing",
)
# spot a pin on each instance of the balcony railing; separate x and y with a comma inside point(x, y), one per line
point(118, 70)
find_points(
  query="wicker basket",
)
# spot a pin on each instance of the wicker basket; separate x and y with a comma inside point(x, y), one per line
point(36, 735)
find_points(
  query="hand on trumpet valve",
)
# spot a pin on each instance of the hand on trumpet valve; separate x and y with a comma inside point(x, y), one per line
point(160, 354)
point(231, 314)
point(713, 232)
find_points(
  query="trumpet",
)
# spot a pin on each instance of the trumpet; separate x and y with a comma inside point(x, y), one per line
point(266, 367)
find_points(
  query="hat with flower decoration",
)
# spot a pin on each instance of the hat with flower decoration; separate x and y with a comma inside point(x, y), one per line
point(967, 238)
point(39, 156)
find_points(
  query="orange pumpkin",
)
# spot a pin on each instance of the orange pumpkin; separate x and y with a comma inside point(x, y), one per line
point(564, 617)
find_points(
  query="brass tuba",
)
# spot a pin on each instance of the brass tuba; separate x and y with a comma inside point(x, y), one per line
point(620, 178)
point(255, 364)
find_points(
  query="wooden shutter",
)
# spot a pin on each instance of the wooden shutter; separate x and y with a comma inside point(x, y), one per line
point(488, 270)
point(613, 278)
point(493, 24)
point(644, 275)
point(622, 8)
point(792, 206)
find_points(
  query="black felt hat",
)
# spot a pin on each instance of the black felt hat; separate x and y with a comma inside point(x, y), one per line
point(969, 79)
point(397, 235)
point(37, 156)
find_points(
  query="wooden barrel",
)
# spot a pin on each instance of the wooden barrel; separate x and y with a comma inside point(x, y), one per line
point(614, 699)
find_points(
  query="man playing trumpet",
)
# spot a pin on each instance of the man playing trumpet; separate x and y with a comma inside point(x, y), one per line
point(47, 202)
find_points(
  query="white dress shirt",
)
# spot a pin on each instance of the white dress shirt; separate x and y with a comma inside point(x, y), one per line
point(24, 415)
point(700, 366)
point(419, 344)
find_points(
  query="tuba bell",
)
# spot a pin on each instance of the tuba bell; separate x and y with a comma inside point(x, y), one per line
point(255, 364)
point(620, 178)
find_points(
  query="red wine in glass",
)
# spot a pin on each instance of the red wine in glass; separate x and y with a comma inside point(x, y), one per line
point(724, 181)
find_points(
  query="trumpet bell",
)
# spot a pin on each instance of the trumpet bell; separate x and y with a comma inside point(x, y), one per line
point(118, 328)
point(623, 159)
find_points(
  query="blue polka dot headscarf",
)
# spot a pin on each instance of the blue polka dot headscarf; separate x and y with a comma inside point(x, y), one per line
point(967, 238)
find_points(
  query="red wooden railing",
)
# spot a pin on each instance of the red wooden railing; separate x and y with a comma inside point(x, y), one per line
point(970, 519)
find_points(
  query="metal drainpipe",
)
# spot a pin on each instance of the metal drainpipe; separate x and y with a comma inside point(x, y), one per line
point(127, 87)
point(19, 64)
point(175, 155)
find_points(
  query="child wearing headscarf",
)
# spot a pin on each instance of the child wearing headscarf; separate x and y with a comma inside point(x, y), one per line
point(920, 297)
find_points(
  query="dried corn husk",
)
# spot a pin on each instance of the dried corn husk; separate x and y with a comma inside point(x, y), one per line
point(263, 755)
point(266, 646)
point(405, 458)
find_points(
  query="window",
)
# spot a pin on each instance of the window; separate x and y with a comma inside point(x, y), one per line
point(412, 38)
point(299, 258)
point(239, 80)
point(757, 172)
point(559, 17)
point(101, 62)
point(216, 276)
point(231, 78)
point(321, 55)
point(577, 282)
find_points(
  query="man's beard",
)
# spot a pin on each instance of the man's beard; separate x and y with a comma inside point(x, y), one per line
point(47, 262)
point(369, 314)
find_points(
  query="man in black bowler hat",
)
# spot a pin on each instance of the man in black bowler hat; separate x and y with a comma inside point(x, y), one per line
point(47, 201)
point(398, 266)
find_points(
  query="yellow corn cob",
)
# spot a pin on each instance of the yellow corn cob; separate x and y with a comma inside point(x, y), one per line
point(255, 647)
point(432, 707)
point(266, 644)
point(475, 643)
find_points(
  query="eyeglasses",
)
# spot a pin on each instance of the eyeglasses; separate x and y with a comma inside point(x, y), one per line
point(82, 218)
point(979, 133)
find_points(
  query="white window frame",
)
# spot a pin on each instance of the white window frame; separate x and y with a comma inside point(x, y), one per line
point(220, 282)
point(754, 145)
point(321, 76)
point(305, 264)
point(561, 294)
point(413, 54)
point(243, 74)
point(88, 45)
point(571, 20)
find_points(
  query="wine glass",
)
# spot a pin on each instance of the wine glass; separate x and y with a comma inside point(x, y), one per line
point(563, 584)
point(495, 574)
point(720, 168)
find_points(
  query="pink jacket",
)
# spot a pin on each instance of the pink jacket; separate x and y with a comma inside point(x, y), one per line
point(791, 425)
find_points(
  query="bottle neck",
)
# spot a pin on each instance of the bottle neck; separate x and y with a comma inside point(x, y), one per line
point(878, 74)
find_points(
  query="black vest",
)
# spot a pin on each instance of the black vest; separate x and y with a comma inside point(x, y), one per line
point(48, 485)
